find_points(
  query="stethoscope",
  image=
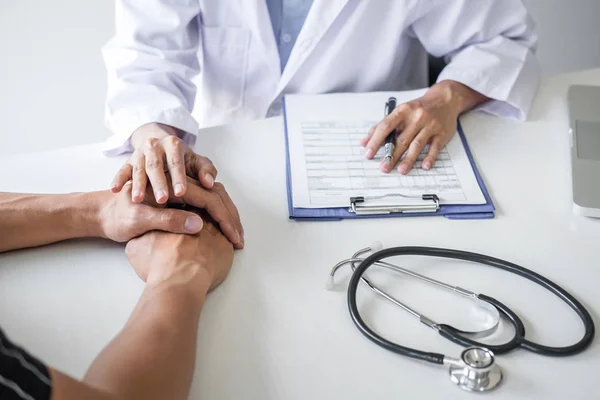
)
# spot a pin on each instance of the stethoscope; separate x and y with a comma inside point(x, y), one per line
point(475, 369)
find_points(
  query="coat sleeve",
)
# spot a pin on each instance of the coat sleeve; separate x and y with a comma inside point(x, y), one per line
point(151, 61)
point(489, 46)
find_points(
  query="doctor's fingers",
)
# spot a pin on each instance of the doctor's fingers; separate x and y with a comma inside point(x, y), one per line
point(213, 203)
point(399, 119)
point(154, 155)
point(121, 178)
point(201, 168)
point(402, 143)
point(434, 151)
point(364, 141)
point(175, 149)
point(138, 177)
point(415, 148)
point(134, 170)
point(220, 190)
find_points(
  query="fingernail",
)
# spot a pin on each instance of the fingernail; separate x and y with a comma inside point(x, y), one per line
point(160, 194)
point(426, 165)
point(193, 224)
point(210, 179)
point(369, 154)
point(403, 169)
point(136, 194)
point(237, 238)
point(178, 189)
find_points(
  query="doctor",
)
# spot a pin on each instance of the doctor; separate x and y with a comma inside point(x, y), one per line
point(250, 53)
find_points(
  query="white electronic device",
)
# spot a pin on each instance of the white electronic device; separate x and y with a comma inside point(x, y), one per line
point(584, 132)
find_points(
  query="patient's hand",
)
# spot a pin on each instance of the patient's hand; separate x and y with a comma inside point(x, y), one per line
point(120, 219)
point(165, 258)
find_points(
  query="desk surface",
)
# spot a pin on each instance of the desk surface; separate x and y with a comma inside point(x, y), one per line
point(271, 331)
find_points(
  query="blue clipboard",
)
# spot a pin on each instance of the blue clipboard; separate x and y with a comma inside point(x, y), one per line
point(453, 211)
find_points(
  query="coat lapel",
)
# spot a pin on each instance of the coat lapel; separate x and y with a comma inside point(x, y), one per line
point(320, 17)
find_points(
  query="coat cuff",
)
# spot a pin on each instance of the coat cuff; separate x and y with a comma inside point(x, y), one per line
point(511, 94)
point(124, 123)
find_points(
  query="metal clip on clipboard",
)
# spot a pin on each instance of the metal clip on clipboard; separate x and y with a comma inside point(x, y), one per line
point(431, 203)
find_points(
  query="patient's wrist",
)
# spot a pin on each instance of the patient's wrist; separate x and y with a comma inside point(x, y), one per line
point(82, 214)
point(187, 277)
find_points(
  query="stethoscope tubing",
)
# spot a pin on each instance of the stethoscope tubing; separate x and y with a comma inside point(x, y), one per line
point(454, 334)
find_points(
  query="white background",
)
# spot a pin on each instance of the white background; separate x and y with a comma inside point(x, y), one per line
point(52, 81)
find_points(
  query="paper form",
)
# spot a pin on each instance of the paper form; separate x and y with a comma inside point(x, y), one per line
point(328, 164)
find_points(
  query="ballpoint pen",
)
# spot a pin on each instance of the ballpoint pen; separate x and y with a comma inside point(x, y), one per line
point(389, 146)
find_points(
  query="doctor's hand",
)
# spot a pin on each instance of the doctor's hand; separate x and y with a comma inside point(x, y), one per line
point(157, 149)
point(217, 204)
point(429, 120)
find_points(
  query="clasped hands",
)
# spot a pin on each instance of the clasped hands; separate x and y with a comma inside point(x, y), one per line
point(165, 244)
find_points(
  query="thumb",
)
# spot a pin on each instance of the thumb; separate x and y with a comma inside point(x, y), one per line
point(172, 220)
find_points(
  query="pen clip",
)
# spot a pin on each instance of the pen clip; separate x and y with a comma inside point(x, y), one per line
point(390, 105)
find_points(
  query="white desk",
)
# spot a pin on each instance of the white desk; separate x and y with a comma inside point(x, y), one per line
point(271, 331)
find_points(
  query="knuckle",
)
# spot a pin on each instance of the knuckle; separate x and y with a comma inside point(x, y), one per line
point(169, 218)
point(385, 126)
point(153, 164)
point(138, 168)
point(151, 143)
point(175, 162)
point(402, 108)
point(172, 140)
point(432, 153)
point(403, 141)
point(398, 111)
point(417, 144)
point(420, 114)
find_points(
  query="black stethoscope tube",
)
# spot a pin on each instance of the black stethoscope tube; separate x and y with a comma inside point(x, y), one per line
point(454, 334)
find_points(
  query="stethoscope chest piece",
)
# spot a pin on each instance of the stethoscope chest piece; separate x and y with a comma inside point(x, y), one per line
point(476, 370)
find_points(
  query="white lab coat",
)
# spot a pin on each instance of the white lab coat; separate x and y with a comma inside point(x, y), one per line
point(344, 46)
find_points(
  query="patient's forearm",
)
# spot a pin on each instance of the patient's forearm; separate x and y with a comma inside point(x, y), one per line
point(28, 220)
point(153, 356)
